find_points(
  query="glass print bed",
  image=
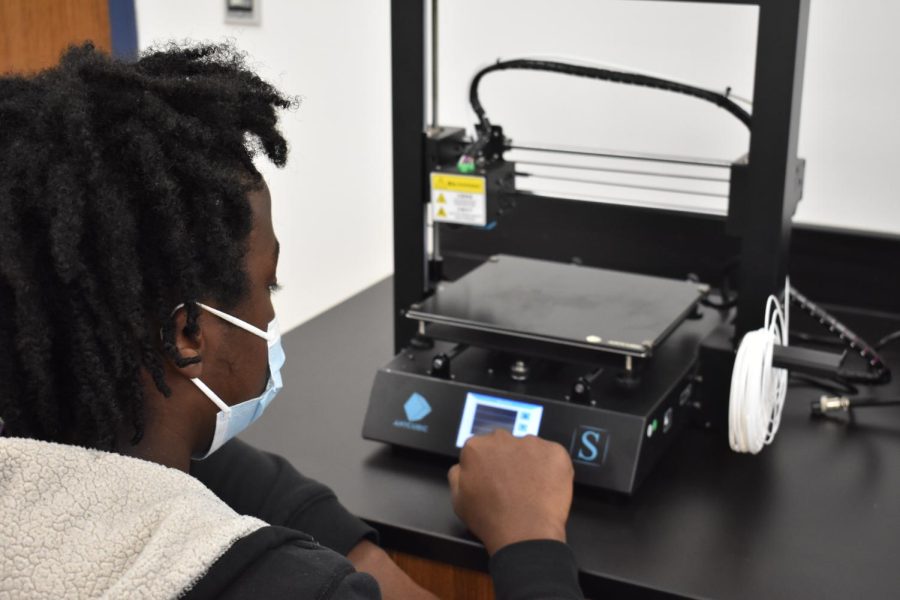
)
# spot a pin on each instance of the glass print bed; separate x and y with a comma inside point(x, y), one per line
point(483, 414)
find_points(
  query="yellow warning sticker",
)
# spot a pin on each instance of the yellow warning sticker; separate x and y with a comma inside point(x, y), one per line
point(457, 183)
point(459, 199)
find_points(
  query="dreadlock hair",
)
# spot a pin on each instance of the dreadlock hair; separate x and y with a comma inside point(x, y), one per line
point(123, 192)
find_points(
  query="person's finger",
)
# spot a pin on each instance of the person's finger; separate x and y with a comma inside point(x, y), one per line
point(501, 433)
point(472, 442)
point(453, 478)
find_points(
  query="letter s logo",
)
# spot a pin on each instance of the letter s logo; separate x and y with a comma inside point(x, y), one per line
point(589, 445)
point(589, 441)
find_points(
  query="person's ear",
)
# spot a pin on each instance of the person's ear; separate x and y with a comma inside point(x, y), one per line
point(186, 353)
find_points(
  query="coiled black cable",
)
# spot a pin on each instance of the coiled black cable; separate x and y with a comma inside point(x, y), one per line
point(878, 372)
point(484, 125)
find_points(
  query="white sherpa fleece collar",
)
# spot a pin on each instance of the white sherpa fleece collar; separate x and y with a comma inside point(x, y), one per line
point(78, 523)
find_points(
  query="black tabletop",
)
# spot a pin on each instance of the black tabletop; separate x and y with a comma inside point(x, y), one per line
point(815, 515)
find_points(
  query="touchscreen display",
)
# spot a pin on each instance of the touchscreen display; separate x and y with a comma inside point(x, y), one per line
point(483, 414)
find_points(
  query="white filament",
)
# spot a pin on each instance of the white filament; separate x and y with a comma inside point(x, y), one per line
point(757, 389)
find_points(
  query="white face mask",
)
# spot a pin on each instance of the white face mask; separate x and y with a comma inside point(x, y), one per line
point(231, 420)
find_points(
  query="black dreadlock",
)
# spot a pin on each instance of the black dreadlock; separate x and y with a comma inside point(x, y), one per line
point(123, 192)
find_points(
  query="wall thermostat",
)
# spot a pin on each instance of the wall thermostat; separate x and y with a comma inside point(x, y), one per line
point(242, 12)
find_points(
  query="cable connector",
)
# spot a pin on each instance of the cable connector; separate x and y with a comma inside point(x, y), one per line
point(827, 404)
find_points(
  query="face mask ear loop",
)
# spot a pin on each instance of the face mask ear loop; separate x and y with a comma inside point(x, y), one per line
point(269, 336)
point(211, 395)
point(236, 322)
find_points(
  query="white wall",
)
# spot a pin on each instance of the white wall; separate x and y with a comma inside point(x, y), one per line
point(850, 123)
point(332, 203)
point(850, 130)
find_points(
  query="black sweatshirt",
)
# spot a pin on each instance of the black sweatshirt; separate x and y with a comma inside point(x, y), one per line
point(301, 555)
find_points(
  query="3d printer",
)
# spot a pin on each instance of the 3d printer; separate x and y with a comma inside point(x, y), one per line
point(609, 353)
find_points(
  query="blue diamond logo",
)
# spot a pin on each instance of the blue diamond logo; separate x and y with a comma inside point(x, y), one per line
point(417, 407)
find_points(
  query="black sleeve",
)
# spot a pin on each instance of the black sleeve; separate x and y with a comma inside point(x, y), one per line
point(266, 486)
point(276, 563)
point(543, 569)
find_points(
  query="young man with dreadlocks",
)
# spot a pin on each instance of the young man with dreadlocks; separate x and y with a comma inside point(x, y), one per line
point(137, 259)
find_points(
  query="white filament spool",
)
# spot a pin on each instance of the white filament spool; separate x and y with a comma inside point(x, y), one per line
point(757, 389)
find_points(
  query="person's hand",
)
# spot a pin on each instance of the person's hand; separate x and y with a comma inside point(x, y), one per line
point(509, 490)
